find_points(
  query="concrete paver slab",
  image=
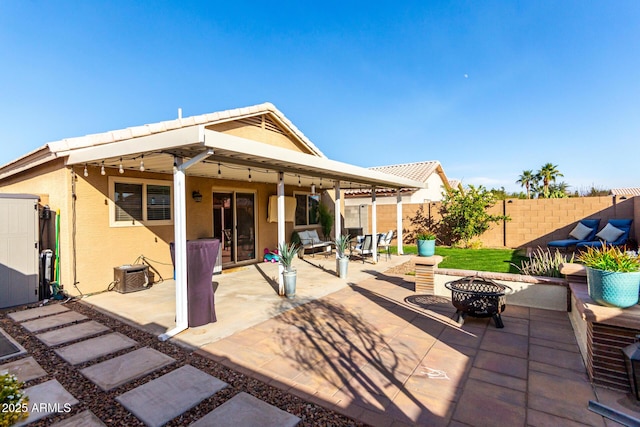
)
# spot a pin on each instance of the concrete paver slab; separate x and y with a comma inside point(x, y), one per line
point(32, 313)
point(83, 419)
point(93, 348)
point(71, 333)
point(9, 347)
point(24, 369)
point(120, 370)
point(46, 399)
point(43, 323)
point(245, 410)
point(164, 398)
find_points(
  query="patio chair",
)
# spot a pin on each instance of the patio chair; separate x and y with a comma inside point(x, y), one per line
point(615, 233)
point(364, 248)
point(384, 243)
point(584, 231)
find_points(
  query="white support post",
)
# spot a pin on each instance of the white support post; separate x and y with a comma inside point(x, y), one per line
point(281, 229)
point(399, 222)
point(180, 250)
point(180, 242)
point(336, 212)
point(374, 225)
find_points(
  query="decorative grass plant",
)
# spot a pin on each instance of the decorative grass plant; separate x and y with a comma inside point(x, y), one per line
point(610, 258)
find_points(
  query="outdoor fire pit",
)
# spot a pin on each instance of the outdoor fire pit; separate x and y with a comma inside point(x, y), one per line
point(478, 297)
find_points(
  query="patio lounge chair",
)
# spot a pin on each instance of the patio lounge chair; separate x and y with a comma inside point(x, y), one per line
point(365, 247)
point(615, 233)
point(584, 231)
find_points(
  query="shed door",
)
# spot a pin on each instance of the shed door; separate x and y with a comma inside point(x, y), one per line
point(18, 251)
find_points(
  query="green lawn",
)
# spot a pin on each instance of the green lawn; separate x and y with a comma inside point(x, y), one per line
point(497, 260)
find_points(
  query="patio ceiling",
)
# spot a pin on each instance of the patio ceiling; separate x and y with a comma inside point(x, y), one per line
point(232, 158)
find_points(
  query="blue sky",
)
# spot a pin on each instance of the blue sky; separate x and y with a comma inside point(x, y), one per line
point(488, 88)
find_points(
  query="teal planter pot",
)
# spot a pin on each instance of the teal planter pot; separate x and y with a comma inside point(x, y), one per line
point(426, 247)
point(613, 289)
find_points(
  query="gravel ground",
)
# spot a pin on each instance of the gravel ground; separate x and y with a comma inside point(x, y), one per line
point(104, 405)
point(407, 267)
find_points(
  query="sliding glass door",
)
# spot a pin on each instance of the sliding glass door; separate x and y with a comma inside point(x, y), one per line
point(234, 224)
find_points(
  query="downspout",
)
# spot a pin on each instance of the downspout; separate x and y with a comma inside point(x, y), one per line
point(180, 237)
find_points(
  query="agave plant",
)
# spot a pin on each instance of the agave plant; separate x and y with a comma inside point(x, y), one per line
point(286, 254)
point(342, 244)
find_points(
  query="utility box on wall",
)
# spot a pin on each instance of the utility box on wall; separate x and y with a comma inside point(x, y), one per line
point(19, 249)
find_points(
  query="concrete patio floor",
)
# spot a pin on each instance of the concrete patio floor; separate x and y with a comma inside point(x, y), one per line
point(244, 297)
point(365, 348)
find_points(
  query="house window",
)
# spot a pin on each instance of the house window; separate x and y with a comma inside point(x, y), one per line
point(139, 202)
point(307, 209)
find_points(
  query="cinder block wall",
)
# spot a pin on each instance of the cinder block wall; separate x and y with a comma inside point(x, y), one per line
point(533, 222)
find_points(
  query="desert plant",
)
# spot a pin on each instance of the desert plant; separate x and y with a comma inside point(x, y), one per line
point(342, 244)
point(286, 254)
point(15, 404)
point(544, 262)
point(610, 258)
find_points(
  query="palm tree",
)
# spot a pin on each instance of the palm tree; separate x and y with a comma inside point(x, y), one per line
point(526, 180)
point(548, 173)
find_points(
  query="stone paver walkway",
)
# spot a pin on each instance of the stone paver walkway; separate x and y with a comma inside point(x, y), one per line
point(155, 402)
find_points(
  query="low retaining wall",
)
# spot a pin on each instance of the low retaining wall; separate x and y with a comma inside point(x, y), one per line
point(528, 291)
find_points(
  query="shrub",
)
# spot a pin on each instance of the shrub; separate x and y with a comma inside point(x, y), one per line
point(544, 262)
point(465, 216)
point(15, 404)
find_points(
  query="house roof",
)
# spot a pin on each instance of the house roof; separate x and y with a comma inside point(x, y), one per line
point(417, 171)
point(180, 123)
point(630, 191)
point(158, 143)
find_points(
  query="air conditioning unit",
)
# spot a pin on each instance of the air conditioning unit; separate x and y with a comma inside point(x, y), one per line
point(132, 278)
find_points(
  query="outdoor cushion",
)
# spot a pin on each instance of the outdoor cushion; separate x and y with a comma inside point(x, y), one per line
point(305, 239)
point(580, 232)
point(609, 233)
point(313, 235)
point(591, 224)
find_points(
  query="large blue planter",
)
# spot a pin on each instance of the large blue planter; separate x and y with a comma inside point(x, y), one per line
point(426, 247)
point(613, 289)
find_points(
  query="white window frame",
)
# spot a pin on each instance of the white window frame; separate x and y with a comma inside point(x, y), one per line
point(145, 182)
point(303, 193)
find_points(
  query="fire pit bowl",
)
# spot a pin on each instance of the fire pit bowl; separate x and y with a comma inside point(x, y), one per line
point(478, 297)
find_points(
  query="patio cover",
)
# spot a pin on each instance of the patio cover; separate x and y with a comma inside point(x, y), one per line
point(193, 149)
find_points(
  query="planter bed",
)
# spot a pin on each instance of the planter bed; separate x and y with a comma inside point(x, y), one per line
point(602, 332)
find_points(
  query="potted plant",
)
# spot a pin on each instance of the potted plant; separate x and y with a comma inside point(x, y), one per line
point(613, 276)
point(342, 262)
point(426, 242)
point(286, 254)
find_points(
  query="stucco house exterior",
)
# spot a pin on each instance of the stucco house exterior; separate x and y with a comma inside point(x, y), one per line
point(244, 176)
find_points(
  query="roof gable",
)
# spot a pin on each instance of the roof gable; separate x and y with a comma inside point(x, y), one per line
point(275, 118)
